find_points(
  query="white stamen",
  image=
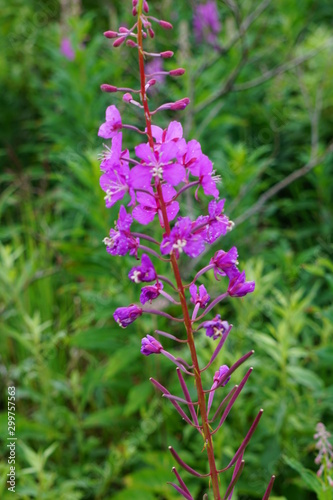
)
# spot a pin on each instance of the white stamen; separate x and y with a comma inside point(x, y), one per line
point(179, 245)
point(108, 241)
point(216, 178)
point(218, 331)
point(119, 323)
point(108, 196)
point(135, 276)
point(231, 225)
point(157, 172)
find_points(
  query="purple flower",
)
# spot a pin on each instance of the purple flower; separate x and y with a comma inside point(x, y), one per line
point(202, 297)
point(126, 315)
point(238, 287)
point(150, 292)
point(124, 221)
point(146, 272)
point(121, 241)
point(191, 157)
point(66, 49)
point(225, 262)
point(120, 244)
point(181, 240)
point(111, 156)
point(112, 124)
point(206, 22)
point(157, 164)
point(325, 455)
point(173, 133)
point(202, 167)
point(215, 328)
point(219, 375)
point(218, 223)
point(216, 383)
point(149, 205)
point(149, 345)
point(116, 183)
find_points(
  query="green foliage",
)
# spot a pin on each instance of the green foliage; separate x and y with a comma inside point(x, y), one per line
point(89, 424)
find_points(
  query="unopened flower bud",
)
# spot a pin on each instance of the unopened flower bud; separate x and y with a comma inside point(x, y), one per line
point(166, 54)
point(145, 6)
point(118, 42)
point(220, 375)
point(127, 97)
point(110, 34)
point(150, 83)
point(122, 29)
point(134, 12)
point(181, 104)
point(177, 72)
point(165, 25)
point(126, 315)
point(149, 345)
point(135, 3)
point(108, 88)
point(151, 32)
point(131, 43)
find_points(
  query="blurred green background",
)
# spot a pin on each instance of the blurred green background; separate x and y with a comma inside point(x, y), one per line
point(89, 424)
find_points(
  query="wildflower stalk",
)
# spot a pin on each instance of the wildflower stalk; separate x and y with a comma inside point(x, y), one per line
point(187, 320)
point(166, 160)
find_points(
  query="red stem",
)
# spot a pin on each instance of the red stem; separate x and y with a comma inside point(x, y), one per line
point(187, 320)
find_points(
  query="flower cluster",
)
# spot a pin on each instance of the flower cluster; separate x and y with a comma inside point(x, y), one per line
point(206, 22)
point(150, 180)
point(325, 453)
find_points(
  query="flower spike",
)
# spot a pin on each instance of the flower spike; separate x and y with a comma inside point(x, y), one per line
point(147, 180)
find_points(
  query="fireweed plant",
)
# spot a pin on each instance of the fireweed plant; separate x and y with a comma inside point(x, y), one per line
point(164, 167)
